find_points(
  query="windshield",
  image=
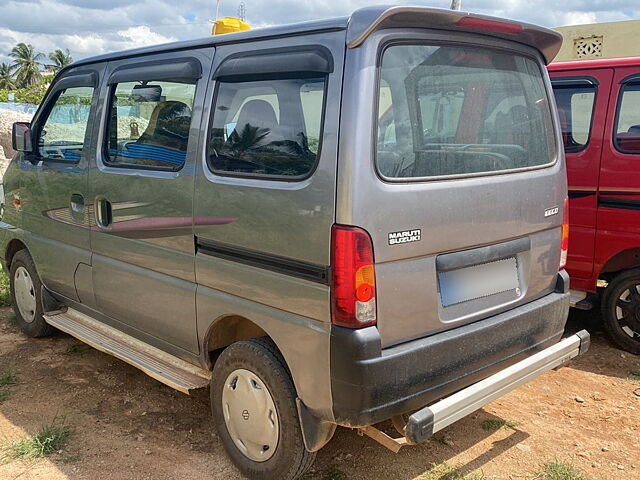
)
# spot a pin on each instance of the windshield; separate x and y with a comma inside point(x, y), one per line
point(451, 110)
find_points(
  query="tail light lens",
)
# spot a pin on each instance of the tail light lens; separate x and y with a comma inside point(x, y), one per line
point(353, 288)
point(564, 242)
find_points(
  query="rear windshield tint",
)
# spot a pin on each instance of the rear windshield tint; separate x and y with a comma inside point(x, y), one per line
point(448, 110)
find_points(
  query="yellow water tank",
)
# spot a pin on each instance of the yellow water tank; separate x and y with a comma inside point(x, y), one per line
point(229, 25)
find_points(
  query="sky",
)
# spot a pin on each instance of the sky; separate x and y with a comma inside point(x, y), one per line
point(91, 27)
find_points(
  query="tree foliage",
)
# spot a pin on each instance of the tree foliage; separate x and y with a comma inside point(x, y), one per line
point(26, 76)
point(60, 59)
point(26, 64)
point(7, 82)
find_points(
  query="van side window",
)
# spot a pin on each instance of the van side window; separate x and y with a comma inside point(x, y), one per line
point(61, 139)
point(461, 110)
point(267, 128)
point(627, 138)
point(149, 125)
point(575, 112)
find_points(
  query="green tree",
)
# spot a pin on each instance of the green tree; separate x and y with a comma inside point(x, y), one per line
point(26, 64)
point(60, 59)
point(7, 82)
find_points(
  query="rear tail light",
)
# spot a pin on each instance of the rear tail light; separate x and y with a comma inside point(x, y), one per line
point(353, 287)
point(490, 25)
point(564, 242)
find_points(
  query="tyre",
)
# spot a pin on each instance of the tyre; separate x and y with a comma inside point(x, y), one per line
point(621, 310)
point(26, 292)
point(254, 409)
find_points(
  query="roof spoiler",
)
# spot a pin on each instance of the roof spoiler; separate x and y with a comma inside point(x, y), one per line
point(367, 20)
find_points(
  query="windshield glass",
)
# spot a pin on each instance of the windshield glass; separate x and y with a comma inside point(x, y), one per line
point(452, 110)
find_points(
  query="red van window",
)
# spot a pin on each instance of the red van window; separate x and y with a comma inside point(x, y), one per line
point(627, 139)
point(575, 111)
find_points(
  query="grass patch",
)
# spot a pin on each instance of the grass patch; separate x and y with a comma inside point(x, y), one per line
point(498, 423)
point(444, 471)
point(4, 395)
point(634, 375)
point(5, 293)
point(79, 349)
point(558, 470)
point(331, 473)
point(8, 378)
point(48, 440)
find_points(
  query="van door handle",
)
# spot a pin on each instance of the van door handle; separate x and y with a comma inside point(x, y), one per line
point(104, 213)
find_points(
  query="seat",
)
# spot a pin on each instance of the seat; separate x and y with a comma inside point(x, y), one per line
point(629, 141)
point(260, 116)
point(168, 126)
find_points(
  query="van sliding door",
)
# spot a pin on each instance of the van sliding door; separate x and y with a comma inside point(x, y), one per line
point(142, 193)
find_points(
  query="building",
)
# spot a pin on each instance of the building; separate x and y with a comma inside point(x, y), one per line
point(600, 40)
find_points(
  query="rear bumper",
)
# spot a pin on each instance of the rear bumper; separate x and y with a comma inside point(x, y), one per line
point(370, 384)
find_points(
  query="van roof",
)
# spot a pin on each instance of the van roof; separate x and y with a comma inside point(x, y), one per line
point(595, 63)
point(365, 21)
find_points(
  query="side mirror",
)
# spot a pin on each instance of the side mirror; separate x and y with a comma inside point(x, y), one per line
point(21, 137)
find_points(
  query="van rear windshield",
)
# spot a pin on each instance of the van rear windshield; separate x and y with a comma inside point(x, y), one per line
point(454, 110)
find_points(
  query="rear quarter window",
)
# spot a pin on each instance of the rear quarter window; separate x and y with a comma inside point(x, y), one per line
point(267, 128)
point(450, 110)
point(627, 130)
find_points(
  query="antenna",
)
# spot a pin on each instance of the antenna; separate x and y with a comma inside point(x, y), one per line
point(217, 8)
point(242, 11)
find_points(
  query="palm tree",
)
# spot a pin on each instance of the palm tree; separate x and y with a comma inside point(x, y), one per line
point(27, 64)
point(7, 82)
point(60, 59)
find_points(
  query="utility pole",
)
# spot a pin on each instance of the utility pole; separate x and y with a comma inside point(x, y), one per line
point(455, 4)
point(242, 11)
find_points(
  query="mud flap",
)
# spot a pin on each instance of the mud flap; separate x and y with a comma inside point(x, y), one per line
point(316, 433)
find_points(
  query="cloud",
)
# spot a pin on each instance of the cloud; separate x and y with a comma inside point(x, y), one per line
point(89, 27)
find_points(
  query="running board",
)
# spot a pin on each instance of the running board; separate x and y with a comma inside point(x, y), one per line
point(170, 370)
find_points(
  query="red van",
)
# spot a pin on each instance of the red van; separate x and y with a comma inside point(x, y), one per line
point(599, 111)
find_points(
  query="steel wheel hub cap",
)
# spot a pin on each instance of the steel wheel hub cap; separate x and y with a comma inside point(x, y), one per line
point(25, 294)
point(250, 415)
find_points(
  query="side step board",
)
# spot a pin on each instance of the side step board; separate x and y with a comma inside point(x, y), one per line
point(166, 368)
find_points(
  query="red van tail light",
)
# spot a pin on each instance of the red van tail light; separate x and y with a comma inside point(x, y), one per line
point(353, 287)
point(564, 243)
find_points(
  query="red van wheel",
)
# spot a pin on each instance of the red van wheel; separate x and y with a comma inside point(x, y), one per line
point(621, 310)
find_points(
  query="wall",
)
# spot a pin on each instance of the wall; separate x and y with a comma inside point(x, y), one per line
point(618, 39)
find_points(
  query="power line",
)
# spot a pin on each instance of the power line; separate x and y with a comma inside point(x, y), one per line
point(37, 29)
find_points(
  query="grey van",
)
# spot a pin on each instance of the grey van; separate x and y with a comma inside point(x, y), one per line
point(332, 223)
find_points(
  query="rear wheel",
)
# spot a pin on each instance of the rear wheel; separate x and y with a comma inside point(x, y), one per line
point(254, 410)
point(621, 310)
point(26, 291)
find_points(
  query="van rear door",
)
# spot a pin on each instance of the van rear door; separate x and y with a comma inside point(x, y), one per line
point(462, 189)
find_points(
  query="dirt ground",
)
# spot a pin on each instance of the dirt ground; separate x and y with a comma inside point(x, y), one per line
point(128, 426)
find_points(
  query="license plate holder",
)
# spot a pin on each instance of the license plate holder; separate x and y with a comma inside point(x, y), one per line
point(478, 281)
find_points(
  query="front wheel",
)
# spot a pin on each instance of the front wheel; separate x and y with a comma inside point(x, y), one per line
point(621, 310)
point(254, 409)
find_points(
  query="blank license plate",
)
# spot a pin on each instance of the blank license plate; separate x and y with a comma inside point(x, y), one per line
point(463, 284)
